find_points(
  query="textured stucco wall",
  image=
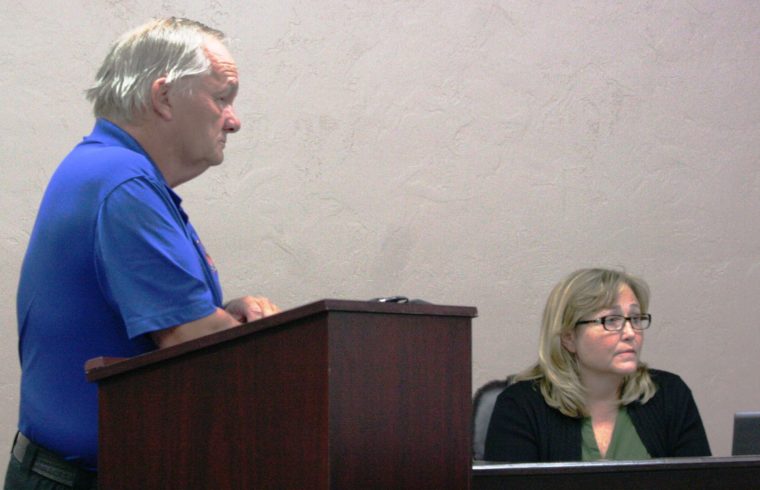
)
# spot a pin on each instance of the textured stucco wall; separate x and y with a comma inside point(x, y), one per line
point(466, 153)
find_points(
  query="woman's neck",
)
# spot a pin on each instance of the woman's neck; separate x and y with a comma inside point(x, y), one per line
point(602, 390)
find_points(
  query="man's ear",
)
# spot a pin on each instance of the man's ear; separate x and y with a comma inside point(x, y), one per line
point(159, 98)
point(568, 341)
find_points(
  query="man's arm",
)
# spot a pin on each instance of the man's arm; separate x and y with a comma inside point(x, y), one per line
point(236, 312)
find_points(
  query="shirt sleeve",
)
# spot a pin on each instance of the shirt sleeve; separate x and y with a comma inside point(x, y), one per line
point(687, 436)
point(148, 265)
point(512, 433)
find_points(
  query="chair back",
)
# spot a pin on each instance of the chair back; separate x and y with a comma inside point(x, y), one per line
point(482, 407)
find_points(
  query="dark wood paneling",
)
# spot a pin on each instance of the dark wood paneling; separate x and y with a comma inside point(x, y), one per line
point(735, 473)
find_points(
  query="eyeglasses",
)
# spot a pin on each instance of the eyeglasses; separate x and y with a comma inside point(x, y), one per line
point(615, 323)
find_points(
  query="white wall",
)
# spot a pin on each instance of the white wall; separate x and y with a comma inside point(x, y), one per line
point(467, 153)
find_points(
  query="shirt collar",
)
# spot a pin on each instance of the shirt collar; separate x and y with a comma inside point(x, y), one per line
point(109, 133)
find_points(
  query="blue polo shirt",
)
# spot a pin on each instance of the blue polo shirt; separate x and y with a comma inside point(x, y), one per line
point(112, 257)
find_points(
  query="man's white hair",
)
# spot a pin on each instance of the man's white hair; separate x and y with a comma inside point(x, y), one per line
point(173, 48)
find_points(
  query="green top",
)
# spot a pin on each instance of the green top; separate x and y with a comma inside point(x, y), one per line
point(625, 443)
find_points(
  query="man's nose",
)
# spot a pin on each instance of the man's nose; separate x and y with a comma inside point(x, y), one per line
point(231, 122)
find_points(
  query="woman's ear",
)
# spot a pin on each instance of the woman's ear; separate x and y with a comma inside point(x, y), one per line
point(159, 98)
point(568, 341)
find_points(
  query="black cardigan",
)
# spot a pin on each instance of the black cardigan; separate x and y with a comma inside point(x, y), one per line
point(524, 428)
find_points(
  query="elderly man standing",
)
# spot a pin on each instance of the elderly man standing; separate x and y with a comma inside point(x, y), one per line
point(114, 267)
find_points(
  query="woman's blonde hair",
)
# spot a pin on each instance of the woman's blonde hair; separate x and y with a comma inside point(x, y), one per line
point(580, 295)
point(173, 48)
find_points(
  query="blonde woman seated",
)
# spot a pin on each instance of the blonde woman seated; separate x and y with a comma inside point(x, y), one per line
point(589, 396)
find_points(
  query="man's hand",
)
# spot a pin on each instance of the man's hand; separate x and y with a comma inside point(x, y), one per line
point(237, 311)
point(250, 308)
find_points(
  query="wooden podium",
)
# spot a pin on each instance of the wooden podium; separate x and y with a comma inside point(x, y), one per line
point(332, 395)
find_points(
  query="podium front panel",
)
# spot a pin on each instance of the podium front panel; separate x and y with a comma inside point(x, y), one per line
point(323, 400)
point(400, 395)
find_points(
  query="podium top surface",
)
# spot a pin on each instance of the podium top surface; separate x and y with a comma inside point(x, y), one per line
point(100, 368)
